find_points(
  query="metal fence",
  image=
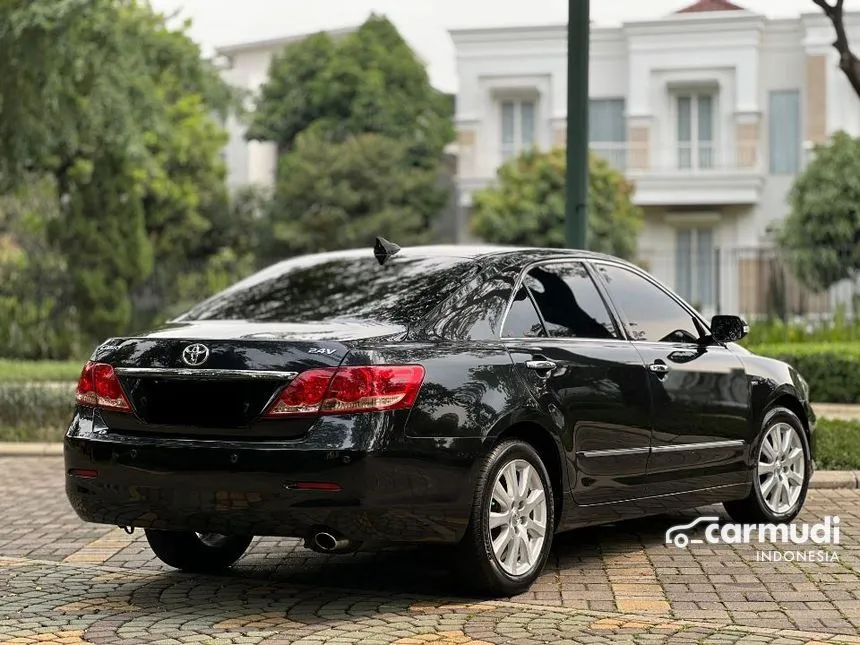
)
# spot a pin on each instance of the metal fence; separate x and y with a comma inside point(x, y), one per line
point(757, 282)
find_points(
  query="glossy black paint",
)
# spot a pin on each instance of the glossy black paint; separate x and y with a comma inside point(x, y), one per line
point(604, 423)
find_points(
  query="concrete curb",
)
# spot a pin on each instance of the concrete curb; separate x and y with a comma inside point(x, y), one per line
point(833, 479)
point(822, 479)
point(30, 449)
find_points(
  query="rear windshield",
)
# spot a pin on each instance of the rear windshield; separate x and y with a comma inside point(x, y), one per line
point(327, 286)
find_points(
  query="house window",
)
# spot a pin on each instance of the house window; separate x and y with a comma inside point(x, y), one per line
point(785, 135)
point(694, 266)
point(607, 130)
point(695, 129)
point(518, 127)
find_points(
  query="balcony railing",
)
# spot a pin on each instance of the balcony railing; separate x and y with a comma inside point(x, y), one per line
point(682, 158)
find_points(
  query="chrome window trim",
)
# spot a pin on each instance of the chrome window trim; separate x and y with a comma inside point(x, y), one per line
point(565, 339)
point(204, 374)
point(619, 326)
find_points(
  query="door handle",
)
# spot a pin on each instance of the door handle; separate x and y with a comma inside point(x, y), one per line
point(540, 365)
point(659, 368)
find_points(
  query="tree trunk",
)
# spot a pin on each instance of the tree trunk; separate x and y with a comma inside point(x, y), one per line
point(848, 62)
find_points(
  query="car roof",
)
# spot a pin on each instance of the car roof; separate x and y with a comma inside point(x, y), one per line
point(483, 254)
point(496, 251)
point(472, 252)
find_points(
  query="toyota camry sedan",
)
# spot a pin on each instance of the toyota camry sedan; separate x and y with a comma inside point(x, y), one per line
point(485, 398)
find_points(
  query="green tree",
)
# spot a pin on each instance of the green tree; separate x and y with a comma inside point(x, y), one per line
point(821, 235)
point(120, 111)
point(37, 318)
point(526, 205)
point(360, 134)
point(342, 195)
point(368, 81)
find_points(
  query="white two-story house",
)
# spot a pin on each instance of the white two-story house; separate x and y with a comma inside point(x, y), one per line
point(711, 112)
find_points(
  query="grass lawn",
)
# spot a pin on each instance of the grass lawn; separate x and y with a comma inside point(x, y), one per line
point(33, 371)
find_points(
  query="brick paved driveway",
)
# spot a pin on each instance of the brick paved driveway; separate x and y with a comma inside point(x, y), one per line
point(65, 581)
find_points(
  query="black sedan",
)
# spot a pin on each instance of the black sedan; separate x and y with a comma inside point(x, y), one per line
point(481, 397)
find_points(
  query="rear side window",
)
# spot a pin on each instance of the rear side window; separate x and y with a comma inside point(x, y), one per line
point(340, 285)
point(569, 302)
point(523, 320)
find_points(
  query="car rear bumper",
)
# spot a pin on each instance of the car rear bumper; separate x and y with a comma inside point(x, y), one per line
point(407, 493)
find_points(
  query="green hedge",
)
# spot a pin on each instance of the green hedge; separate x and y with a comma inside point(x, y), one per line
point(41, 412)
point(831, 369)
point(31, 371)
point(35, 412)
point(837, 445)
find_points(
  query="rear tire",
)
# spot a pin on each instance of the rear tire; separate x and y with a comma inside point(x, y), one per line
point(781, 470)
point(197, 553)
point(510, 531)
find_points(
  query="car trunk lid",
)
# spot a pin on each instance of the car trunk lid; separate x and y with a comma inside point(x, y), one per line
point(217, 378)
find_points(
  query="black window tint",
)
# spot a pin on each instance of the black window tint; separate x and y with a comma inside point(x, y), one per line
point(652, 315)
point(341, 285)
point(523, 320)
point(569, 302)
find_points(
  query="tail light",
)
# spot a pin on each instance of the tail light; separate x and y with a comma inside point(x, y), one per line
point(99, 387)
point(345, 390)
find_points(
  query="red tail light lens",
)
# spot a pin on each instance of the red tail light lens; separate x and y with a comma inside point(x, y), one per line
point(350, 389)
point(99, 387)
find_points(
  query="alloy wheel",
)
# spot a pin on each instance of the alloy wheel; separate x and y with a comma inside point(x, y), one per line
point(517, 517)
point(781, 469)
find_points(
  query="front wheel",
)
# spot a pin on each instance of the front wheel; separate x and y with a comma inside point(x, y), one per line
point(782, 468)
point(197, 552)
point(509, 536)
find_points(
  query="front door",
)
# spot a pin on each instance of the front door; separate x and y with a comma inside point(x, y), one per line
point(592, 382)
point(699, 389)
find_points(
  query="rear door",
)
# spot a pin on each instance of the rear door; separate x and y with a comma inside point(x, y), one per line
point(570, 350)
point(698, 388)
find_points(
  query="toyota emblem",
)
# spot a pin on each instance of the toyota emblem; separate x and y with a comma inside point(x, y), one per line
point(195, 354)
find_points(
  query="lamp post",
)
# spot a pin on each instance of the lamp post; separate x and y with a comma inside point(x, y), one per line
point(576, 177)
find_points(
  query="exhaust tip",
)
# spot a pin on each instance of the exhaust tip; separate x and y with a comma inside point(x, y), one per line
point(325, 541)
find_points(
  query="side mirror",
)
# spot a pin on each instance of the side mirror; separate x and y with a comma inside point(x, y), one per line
point(728, 329)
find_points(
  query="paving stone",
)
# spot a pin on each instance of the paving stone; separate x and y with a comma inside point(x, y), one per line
point(65, 581)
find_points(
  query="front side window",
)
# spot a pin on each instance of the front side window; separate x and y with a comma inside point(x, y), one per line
point(651, 314)
point(569, 302)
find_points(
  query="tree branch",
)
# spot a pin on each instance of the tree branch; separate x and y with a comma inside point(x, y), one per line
point(848, 61)
point(825, 6)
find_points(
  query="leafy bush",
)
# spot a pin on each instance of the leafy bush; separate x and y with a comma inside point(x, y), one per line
point(41, 412)
point(836, 445)
point(35, 412)
point(832, 369)
point(837, 329)
point(39, 371)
